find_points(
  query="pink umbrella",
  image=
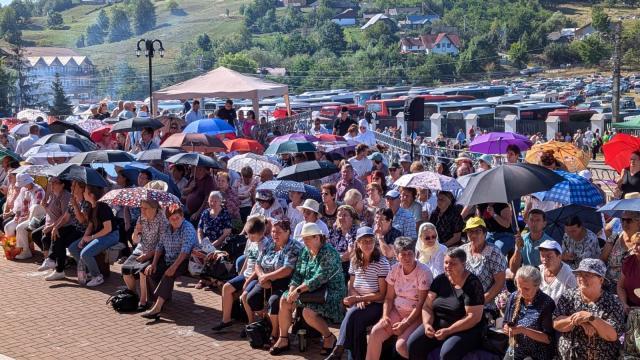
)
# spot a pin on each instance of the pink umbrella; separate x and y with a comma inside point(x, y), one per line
point(294, 137)
point(132, 197)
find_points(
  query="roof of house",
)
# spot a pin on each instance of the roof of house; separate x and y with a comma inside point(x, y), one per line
point(421, 19)
point(347, 14)
point(411, 42)
point(338, 4)
point(375, 19)
point(431, 40)
point(58, 60)
point(49, 51)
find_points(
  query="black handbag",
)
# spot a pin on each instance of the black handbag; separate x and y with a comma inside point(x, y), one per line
point(124, 301)
point(258, 333)
point(318, 296)
point(495, 342)
point(221, 269)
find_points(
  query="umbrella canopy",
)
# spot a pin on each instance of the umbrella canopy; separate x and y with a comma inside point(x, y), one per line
point(79, 173)
point(428, 180)
point(308, 170)
point(505, 183)
point(89, 125)
point(23, 129)
point(132, 197)
point(290, 147)
point(102, 156)
point(281, 189)
point(244, 145)
point(195, 159)
point(294, 137)
point(101, 132)
point(194, 142)
point(557, 218)
point(135, 124)
point(617, 207)
point(132, 170)
point(33, 170)
point(497, 142)
point(69, 138)
point(209, 127)
point(617, 152)
point(341, 147)
point(157, 154)
point(255, 162)
point(632, 123)
point(6, 152)
point(330, 137)
point(31, 115)
point(573, 158)
point(62, 126)
point(573, 190)
point(50, 148)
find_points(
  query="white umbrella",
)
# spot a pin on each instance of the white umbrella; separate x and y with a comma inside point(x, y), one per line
point(428, 180)
point(52, 148)
point(31, 115)
point(254, 161)
point(21, 129)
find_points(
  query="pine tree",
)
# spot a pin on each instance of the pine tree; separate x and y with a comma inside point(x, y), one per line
point(80, 41)
point(120, 27)
point(144, 16)
point(61, 105)
point(7, 85)
point(95, 36)
point(54, 20)
point(103, 21)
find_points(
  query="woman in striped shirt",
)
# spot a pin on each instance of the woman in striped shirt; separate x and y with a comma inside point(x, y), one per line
point(367, 289)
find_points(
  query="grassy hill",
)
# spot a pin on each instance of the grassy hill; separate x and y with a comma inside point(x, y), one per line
point(581, 12)
point(197, 17)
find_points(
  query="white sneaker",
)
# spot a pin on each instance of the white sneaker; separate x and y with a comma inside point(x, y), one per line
point(24, 255)
point(98, 280)
point(47, 264)
point(55, 276)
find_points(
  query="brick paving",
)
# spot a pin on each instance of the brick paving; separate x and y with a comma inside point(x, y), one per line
point(60, 320)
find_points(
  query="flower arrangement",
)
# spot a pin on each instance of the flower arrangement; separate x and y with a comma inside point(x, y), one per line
point(9, 246)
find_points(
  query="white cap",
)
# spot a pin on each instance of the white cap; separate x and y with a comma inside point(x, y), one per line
point(363, 123)
point(551, 245)
point(585, 174)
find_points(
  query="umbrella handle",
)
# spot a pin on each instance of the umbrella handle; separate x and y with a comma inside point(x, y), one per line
point(515, 218)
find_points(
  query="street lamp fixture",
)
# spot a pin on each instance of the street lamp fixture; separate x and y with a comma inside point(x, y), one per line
point(149, 51)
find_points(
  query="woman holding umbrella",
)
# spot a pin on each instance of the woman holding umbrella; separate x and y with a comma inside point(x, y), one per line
point(629, 180)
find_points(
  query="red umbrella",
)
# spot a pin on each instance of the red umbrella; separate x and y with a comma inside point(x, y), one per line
point(98, 134)
point(194, 142)
point(330, 137)
point(617, 152)
point(244, 145)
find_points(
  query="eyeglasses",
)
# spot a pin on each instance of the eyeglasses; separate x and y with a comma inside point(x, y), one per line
point(430, 237)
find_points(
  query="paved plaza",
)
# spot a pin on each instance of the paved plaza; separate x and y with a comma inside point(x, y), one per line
point(60, 320)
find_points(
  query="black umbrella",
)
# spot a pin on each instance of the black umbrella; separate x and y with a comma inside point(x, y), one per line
point(77, 172)
point(308, 170)
point(157, 154)
point(70, 138)
point(556, 219)
point(59, 127)
point(195, 159)
point(135, 124)
point(505, 183)
point(102, 156)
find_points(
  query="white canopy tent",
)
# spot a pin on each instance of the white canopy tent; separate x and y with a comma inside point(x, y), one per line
point(224, 83)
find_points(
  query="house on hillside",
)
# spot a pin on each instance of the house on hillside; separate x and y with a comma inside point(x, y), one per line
point(77, 72)
point(442, 43)
point(376, 18)
point(345, 18)
point(584, 31)
point(338, 5)
point(403, 11)
point(417, 21)
point(294, 3)
point(563, 36)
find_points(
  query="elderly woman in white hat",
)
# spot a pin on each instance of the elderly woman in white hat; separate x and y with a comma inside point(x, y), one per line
point(310, 210)
point(364, 135)
point(484, 163)
point(317, 275)
point(27, 206)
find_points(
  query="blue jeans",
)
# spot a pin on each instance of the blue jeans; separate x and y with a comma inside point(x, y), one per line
point(89, 251)
point(504, 241)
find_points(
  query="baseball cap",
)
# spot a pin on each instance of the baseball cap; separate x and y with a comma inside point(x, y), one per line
point(364, 231)
point(550, 245)
point(486, 158)
point(376, 156)
point(393, 193)
point(394, 165)
point(592, 266)
point(474, 222)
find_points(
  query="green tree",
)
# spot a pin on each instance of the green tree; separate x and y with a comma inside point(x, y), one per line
point(144, 16)
point(127, 84)
point(103, 21)
point(204, 42)
point(239, 62)
point(480, 51)
point(557, 54)
point(95, 36)
point(22, 9)
point(9, 28)
point(54, 20)
point(592, 50)
point(518, 54)
point(599, 19)
point(7, 86)
point(381, 32)
point(330, 37)
point(80, 41)
point(120, 27)
point(61, 104)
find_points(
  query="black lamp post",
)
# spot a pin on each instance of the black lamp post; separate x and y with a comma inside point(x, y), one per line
point(149, 50)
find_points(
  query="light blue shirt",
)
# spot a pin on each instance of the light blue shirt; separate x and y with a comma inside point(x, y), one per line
point(192, 116)
point(530, 254)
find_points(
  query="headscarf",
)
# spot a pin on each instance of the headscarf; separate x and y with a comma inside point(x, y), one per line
point(423, 252)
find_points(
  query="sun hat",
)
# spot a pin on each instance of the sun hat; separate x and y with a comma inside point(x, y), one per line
point(474, 222)
point(393, 193)
point(23, 180)
point(463, 157)
point(310, 229)
point(364, 231)
point(586, 174)
point(310, 205)
point(550, 245)
point(486, 158)
point(363, 123)
point(592, 266)
point(157, 185)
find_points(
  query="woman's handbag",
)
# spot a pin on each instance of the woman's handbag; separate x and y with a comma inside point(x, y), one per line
point(318, 296)
point(495, 341)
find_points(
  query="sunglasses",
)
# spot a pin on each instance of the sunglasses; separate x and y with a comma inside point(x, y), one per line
point(430, 237)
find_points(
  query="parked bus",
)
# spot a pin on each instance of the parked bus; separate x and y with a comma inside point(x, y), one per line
point(527, 110)
point(391, 107)
point(447, 106)
point(331, 111)
point(480, 92)
point(573, 115)
point(506, 99)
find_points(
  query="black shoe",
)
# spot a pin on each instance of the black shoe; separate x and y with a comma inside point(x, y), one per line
point(336, 354)
point(143, 307)
point(221, 326)
point(275, 351)
point(327, 350)
point(243, 333)
point(151, 316)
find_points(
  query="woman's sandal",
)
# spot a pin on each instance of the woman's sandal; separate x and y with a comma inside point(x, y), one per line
point(200, 285)
point(336, 354)
point(327, 350)
point(275, 350)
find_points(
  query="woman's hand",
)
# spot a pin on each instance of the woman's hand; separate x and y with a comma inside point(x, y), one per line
point(442, 334)
point(429, 331)
point(361, 305)
point(385, 322)
point(580, 318)
point(589, 329)
point(398, 328)
point(171, 271)
point(54, 233)
point(349, 300)
point(292, 297)
point(515, 330)
point(150, 270)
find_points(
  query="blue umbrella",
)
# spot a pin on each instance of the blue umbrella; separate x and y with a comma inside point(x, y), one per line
point(209, 127)
point(573, 190)
point(281, 189)
point(131, 171)
point(617, 207)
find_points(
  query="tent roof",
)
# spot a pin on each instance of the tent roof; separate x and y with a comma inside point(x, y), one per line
point(224, 83)
point(633, 122)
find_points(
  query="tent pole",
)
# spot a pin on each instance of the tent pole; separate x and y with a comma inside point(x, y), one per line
point(256, 107)
point(287, 103)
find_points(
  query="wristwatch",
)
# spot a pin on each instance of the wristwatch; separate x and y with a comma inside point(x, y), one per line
point(591, 318)
point(298, 291)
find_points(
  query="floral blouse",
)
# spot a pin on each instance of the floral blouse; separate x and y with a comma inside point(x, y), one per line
point(151, 231)
point(271, 259)
point(614, 263)
point(232, 202)
point(485, 266)
point(537, 316)
point(213, 227)
point(341, 241)
point(575, 344)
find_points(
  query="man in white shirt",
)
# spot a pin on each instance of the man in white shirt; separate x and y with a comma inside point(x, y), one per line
point(556, 275)
point(27, 142)
point(318, 129)
point(365, 136)
point(361, 163)
point(193, 114)
point(311, 213)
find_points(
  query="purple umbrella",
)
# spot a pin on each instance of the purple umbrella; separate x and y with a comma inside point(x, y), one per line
point(294, 137)
point(497, 142)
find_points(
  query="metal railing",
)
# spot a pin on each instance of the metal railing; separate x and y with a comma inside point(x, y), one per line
point(296, 123)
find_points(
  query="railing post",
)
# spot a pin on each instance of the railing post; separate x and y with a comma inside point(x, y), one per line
point(597, 123)
point(471, 122)
point(552, 127)
point(403, 125)
point(436, 125)
point(510, 123)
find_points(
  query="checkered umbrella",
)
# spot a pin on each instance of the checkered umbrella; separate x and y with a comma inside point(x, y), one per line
point(132, 197)
point(281, 189)
point(573, 190)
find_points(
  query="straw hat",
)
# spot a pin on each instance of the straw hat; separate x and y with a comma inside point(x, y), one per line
point(310, 229)
point(310, 205)
point(157, 185)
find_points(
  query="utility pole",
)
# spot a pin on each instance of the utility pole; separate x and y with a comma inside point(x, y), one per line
point(617, 59)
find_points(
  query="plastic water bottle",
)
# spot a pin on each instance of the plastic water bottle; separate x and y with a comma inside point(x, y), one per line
point(82, 273)
point(302, 340)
